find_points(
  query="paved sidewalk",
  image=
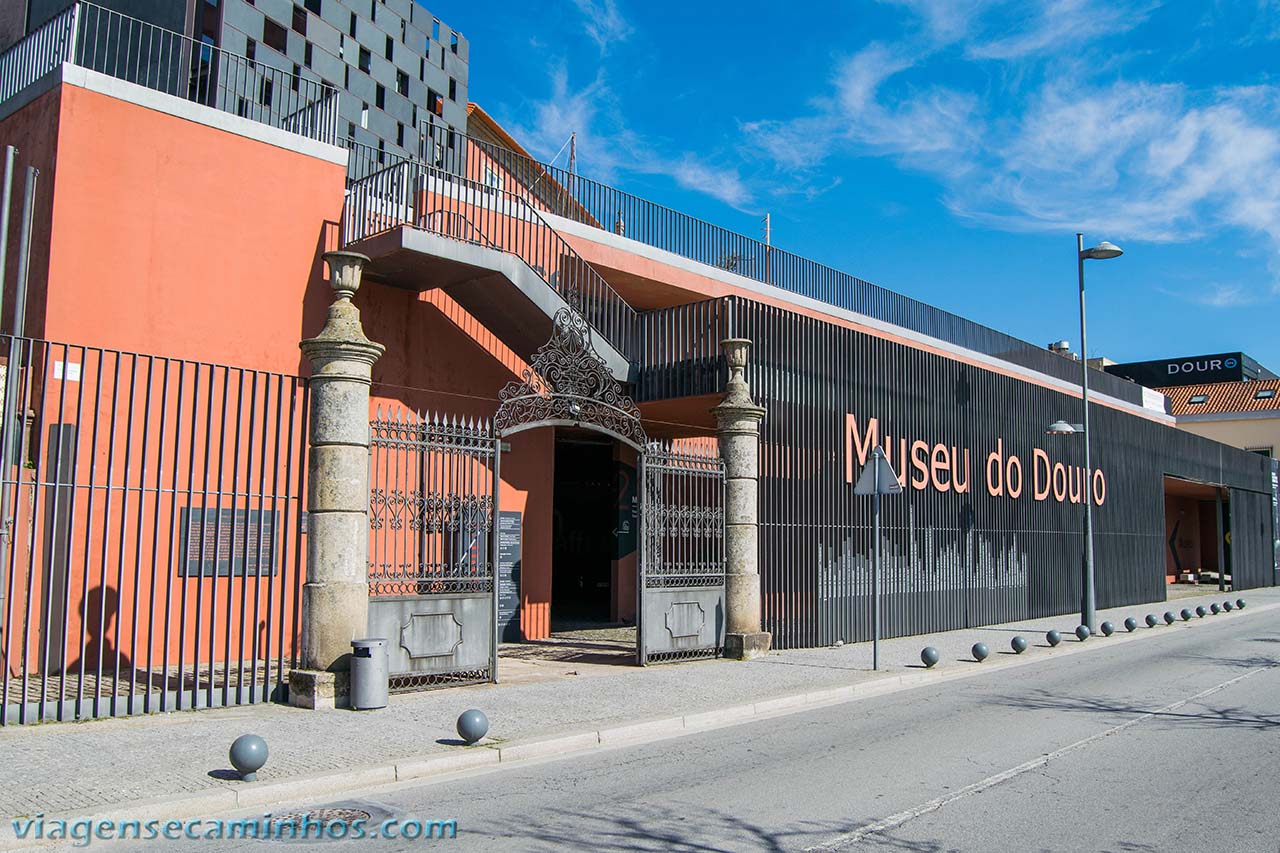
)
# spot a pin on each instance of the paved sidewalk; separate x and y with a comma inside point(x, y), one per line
point(69, 768)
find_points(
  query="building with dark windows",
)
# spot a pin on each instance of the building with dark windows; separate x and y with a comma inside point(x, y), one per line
point(543, 452)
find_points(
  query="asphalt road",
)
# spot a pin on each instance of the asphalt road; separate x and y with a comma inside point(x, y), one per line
point(1167, 744)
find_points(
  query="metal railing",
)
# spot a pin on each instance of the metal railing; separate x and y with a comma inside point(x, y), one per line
point(128, 49)
point(409, 192)
point(151, 560)
point(558, 191)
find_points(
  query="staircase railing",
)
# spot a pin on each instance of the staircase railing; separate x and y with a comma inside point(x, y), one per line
point(411, 193)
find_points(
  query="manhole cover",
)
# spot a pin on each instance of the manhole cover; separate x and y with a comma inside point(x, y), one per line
point(332, 823)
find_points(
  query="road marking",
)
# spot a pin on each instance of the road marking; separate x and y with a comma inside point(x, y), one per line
point(841, 842)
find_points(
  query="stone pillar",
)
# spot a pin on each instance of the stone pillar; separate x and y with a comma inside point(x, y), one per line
point(335, 598)
point(738, 427)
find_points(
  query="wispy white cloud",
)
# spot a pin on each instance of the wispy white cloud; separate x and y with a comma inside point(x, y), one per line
point(604, 22)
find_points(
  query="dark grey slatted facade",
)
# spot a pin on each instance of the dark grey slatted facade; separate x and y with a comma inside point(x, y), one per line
point(951, 560)
point(1251, 540)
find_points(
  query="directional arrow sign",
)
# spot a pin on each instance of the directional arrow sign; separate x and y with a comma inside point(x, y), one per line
point(878, 477)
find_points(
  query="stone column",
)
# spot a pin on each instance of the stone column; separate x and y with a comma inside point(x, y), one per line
point(738, 427)
point(335, 598)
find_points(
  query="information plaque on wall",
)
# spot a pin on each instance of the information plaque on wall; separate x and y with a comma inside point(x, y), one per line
point(227, 543)
point(509, 524)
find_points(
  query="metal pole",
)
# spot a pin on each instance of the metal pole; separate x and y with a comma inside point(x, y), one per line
point(6, 198)
point(875, 569)
point(1088, 610)
point(19, 320)
point(494, 543)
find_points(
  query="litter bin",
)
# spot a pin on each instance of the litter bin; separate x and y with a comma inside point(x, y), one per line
point(368, 674)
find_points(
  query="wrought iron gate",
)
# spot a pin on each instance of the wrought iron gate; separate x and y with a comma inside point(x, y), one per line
point(681, 579)
point(433, 489)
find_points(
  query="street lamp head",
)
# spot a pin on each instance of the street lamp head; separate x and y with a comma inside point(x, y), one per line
point(1060, 428)
point(1102, 252)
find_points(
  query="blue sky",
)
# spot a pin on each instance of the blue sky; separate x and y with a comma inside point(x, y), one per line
point(948, 150)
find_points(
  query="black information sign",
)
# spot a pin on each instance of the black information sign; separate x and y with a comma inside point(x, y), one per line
point(213, 543)
point(628, 505)
point(509, 524)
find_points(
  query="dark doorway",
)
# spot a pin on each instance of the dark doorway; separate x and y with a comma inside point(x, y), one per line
point(582, 543)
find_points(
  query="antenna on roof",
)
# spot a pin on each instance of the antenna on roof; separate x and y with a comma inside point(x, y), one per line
point(768, 230)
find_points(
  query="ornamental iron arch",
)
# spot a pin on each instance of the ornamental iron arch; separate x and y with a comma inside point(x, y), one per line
point(568, 384)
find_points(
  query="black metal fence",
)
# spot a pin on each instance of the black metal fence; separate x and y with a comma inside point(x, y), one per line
point(152, 544)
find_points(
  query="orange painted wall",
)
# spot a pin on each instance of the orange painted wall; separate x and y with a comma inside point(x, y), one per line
point(175, 238)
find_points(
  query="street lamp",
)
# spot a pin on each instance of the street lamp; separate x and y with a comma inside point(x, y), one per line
point(1104, 251)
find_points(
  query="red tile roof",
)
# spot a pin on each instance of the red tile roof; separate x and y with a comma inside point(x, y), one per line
point(1223, 397)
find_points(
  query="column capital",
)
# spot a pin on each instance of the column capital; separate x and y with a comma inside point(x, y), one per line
point(737, 412)
point(343, 337)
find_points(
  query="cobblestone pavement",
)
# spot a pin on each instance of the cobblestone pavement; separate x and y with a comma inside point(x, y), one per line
point(62, 767)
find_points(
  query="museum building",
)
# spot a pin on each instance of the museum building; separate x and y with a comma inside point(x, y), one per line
point(547, 383)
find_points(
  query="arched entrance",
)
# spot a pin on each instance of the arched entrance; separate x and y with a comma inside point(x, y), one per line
point(679, 593)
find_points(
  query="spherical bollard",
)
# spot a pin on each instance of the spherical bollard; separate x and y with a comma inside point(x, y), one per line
point(1215, 609)
point(1240, 603)
point(929, 656)
point(248, 754)
point(1201, 612)
point(1107, 629)
point(1053, 638)
point(1130, 624)
point(1019, 645)
point(1228, 606)
point(980, 652)
point(1082, 632)
point(472, 725)
point(1185, 614)
point(1152, 621)
point(1169, 618)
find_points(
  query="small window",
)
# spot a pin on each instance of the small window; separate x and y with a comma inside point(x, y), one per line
point(380, 97)
point(346, 77)
point(365, 59)
point(274, 35)
point(435, 29)
point(300, 20)
point(1264, 394)
point(351, 131)
point(1261, 451)
point(313, 6)
point(453, 42)
point(382, 151)
point(1197, 399)
point(268, 90)
point(400, 134)
point(373, 10)
point(390, 50)
point(351, 28)
point(453, 89)
point(296, 79)
point(251, 51)
point(306, 54)
point(364, 116)
point(402, 83)
point(422, 69)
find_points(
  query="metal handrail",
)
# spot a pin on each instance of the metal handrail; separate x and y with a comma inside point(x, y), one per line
point(572, 196)
point(108, 42)
point(410, 192)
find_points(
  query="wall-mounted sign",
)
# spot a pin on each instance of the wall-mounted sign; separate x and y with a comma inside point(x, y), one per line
point(1190, 370)
point(509, 526)
point(228, 543)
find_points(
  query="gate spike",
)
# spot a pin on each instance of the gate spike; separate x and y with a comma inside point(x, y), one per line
point(379, 412)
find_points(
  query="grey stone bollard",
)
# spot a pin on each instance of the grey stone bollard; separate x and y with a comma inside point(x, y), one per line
point(472, 725)
point(1215, 609)
point(738, 432)
point(1082, 632)
point(929, 656)
point(1107, 629)
point(1152, 621)
point(248, 753)
point(1130, 624)
point(1053, 638)
point(1200, 611)
point(1228, 606)
point(1185, 614)
point(979, 652)
point(1240, 603)
point(1019, 644)
point(1169, 618)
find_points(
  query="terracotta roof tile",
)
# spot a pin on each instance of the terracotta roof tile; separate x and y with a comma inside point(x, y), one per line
point(1223, 397)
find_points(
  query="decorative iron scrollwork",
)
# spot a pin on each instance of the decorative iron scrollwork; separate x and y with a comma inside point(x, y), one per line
point(567, 381)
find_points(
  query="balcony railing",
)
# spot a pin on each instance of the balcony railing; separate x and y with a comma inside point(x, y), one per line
point(563, 193)
point(409, 192)
point(132, 50)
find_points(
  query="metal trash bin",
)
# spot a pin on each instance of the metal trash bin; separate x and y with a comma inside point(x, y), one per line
point(368, 674)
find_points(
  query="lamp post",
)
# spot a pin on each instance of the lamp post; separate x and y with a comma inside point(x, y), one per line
point(1102, 252)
